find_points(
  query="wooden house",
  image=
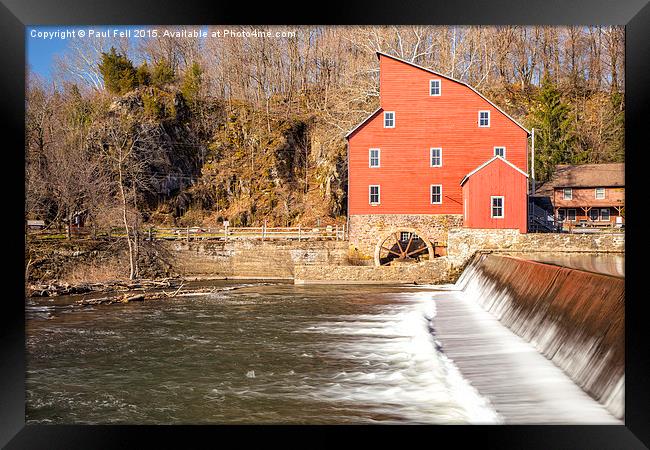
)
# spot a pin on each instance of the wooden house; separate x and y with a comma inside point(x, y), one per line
point(587, 195)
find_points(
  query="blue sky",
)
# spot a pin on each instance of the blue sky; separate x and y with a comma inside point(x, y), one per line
point(40, 52)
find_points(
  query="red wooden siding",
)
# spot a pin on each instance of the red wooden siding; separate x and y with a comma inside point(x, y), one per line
point(448, 121)
point(496, 179)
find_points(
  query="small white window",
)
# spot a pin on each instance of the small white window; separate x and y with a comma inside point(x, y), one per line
point(571, 215)
point(604, 215)
point(500, 151)
point(497, 207)
point(600, 193)
point(436, 157)
point(373, 192)
point(389, 119)
point(436, 194)
point(373, 156)
point(435, 88)
point(568, 194)
point(405, 236)
point(484, 119)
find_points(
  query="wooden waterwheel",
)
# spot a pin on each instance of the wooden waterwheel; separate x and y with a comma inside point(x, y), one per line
point(404, 245)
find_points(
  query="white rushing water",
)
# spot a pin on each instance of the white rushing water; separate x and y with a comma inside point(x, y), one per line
point(406, 375)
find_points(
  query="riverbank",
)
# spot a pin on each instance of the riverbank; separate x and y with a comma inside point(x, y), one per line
point(75, 263)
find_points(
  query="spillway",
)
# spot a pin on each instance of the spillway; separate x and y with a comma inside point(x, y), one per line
point(544, 343)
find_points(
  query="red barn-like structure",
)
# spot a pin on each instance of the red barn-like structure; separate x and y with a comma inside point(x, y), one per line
point(495, 196)
point(406, 160)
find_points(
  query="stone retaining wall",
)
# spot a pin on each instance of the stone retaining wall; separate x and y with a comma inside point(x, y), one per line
point(429, 272)
point(366, 230)
point(464, 242)
point(253, 259)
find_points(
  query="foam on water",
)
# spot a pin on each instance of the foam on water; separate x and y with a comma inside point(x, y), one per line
point(406, 374)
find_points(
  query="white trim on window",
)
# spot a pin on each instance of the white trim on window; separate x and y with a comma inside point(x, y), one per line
point(596, 193)
point(439, 157)
point(566, 191)
point(393, 119)
point(370, 158)
point(500, 147)
point(439, 194)
point(488, 118)
point(502, 206)
point(370, 194)
point(432, 87)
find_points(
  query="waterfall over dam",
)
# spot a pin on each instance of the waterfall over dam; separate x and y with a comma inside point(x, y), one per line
point(573, 317)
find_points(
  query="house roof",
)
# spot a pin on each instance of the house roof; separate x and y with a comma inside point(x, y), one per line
point(362, 122)
point(443, 76)
point(584, 175)
point(489, 161)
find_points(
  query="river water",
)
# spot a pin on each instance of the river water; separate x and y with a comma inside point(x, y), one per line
point(278, 353)
point(247, 353)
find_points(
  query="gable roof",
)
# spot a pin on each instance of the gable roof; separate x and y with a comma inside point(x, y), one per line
point(489, 161)
point(363, 122)
point(584, 175)
point(379, 54)
point(457, 81)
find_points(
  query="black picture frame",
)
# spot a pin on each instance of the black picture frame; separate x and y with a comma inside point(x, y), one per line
point(15, 15)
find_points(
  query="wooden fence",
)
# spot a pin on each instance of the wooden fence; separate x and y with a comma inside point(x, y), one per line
point(299, 233)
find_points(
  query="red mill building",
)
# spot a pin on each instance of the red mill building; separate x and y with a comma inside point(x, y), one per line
point(436, 155)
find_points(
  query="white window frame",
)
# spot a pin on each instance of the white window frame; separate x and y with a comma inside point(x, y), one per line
point(609, 215)
point(370, 158)
point(564, 192)
point(439, 88)
point(431, 157)
point(597, 211)
point(488, 118)
point(431, 194)
point(596, 194)
point(503, 206)
point(401, 235)
point(389, 112)
point(378, 202)
point(504, 150)
point(568, 215)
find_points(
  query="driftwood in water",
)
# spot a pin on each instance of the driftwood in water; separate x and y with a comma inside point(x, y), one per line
point(56, 289)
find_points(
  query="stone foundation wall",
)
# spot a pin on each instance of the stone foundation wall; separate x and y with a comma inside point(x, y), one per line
point(464, 242)
point(252, 259)
point(429, 272)
point(366, 230)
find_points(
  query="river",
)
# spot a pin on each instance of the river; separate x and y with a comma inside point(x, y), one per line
point(247, 353)
point(279, 353)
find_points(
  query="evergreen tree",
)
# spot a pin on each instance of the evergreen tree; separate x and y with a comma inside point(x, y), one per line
point(553, 131)
point(143, 75)
point(617, 128)
point(118, 72)
point(162, 73)
point(192, 84)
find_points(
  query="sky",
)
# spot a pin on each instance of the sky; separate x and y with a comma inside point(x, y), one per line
point(40, 51)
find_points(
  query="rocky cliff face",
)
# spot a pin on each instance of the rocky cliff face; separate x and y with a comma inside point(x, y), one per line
point(221, 161)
